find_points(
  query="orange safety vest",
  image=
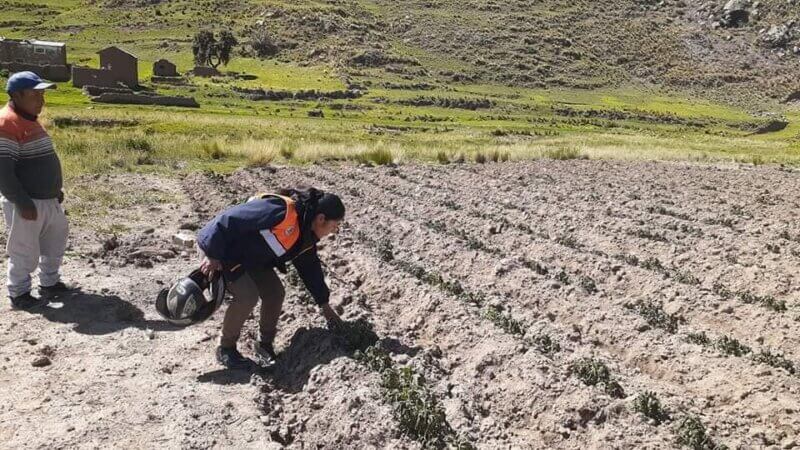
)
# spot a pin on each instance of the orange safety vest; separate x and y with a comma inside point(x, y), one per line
point(281, 237)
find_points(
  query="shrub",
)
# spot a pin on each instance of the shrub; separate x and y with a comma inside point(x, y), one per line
point(379, 156)
point(262, 43)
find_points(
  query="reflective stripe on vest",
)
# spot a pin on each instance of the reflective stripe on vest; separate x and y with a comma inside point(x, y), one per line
point(285, 234)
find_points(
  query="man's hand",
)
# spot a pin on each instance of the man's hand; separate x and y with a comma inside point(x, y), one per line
point(29, 214)
point(330, 315)
point(60, 196)
point(209, 266)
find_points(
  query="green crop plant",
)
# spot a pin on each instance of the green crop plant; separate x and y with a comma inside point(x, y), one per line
point(535, 266)
point(653, 264)
point(698, 338)
point(650, 235)
point(731, 346)
point(614, 389)
point(691, 433)
point(723, 221)
point(593, 372)
point(666, 212)
point(385, 250)
point(568, 240)
point(545, 344)
point(647, 404)
point(684, 277)
point(415, 406)
point(562, 277)
point(778, 360)
point(772, 303)
point(722, 291)
point(450, 204)
point(504, 321)
point(631, 260)
point(767, 301)
point(656, 316)
point(587, 284)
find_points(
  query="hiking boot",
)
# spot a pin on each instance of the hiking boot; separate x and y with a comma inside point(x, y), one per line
point(55, 290)
point(232, 359)
point(266, 351)
point(26, 302)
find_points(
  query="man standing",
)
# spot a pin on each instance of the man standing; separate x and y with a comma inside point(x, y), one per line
point(30, 184)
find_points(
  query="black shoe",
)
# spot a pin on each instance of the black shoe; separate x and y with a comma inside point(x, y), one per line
point(266, 351)
point(55, 290)
point(232, 359)
point(26, 302)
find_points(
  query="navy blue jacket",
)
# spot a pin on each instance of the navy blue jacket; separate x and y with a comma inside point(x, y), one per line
point(233, 237)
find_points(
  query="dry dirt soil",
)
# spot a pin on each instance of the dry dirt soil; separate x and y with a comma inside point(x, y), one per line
point(464, 271)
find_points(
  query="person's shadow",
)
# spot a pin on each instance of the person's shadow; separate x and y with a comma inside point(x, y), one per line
point(308, 348)
point(97, 314)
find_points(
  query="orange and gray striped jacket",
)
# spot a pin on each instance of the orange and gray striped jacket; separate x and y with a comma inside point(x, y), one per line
point(29, 166)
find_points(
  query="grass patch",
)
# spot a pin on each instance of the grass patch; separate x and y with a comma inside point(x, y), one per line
point(378, 156)
point(564, 154)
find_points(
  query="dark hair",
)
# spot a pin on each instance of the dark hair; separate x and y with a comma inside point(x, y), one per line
point(331, 206)
point(314, 201)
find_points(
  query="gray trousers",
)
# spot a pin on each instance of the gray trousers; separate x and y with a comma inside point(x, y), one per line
point(254, 284)
point(34, 243)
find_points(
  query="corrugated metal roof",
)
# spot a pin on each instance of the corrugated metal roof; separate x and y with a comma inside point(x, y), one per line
point(47, 43)
point(34, 42)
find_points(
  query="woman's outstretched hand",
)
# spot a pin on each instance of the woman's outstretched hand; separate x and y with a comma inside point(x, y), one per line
point(210, 266)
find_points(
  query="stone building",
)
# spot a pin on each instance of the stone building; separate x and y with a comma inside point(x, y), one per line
point(164, 68)
point(117, 67)
point(46, 59)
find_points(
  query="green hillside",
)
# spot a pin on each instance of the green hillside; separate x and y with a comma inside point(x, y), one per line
point(439, 80)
